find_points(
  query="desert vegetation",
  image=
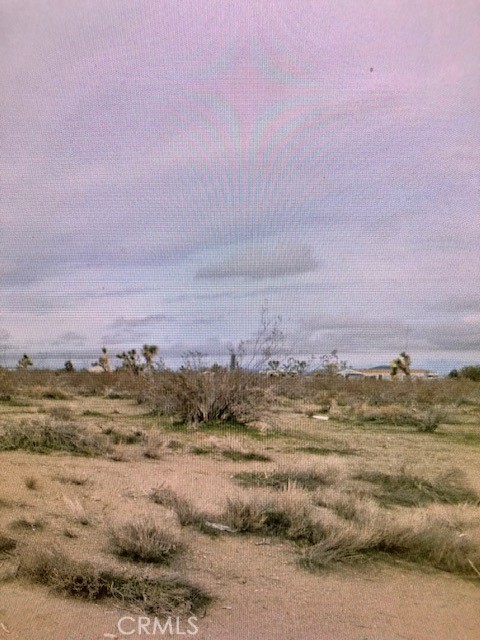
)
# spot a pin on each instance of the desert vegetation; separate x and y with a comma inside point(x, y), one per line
point(159, 596)
point(143, 469)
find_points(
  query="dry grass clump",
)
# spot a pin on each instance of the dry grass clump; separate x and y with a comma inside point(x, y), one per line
point(244, 456)
point(144, 541)
point(7, 544)
point(198, 397)
point(44, 437)
point(159, 596)
point(309, 478)
point(79, 515)
point(127, 437)
point(62, 412)
point(326, 451)
point(406, 489)
point(346, 504)
point(322, 389)
point(153, 446)
point(187, 513)
point(27, 524)
point(286, 515)
point(416, 536)
point(54, 393)
point(78, 481)
point(427, 420)
point(31, 483)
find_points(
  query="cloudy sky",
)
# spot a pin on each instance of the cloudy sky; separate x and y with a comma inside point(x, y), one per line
point(169, 167)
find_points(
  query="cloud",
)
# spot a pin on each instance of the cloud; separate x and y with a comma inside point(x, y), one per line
point(146, 321)
point(70, 339)
point(454, 336)
point(258, 263)
point(467, 303)
point(195, 160)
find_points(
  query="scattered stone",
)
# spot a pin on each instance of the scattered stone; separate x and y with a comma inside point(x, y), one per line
point(220, 527)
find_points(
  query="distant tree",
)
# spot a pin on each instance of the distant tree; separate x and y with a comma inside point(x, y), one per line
point(130, 361)
point(265, 345)
point(401, 364)
point(273, 365)
point(471, 372)
point(103, 361)
point(453, 373)
point(149, 351)
point(69, 366)
point(293, 366)
point(24, 362)
point(193, 361)
point(332, 365)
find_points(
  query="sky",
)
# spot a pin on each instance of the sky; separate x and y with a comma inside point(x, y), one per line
point(168, 168)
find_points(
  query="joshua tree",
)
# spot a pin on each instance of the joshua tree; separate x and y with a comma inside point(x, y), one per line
point(103, 361)
point(401, 364)
point(69, 366)
point(24, 362)
point(149, 351)
point(130, 361)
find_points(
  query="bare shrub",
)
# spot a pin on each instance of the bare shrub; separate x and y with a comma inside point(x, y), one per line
point(159, 596)
point(44, 437)
point(144, 541)
point(198, 397)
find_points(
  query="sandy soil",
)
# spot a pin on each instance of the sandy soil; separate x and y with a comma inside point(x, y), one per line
point(260, 592)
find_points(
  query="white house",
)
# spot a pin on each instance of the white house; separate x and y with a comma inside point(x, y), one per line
point(383, 373)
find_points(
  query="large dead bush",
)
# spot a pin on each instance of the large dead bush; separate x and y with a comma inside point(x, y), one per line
point(197, 397)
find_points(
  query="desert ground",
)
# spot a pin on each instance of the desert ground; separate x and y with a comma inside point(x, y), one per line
point(344, 511)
